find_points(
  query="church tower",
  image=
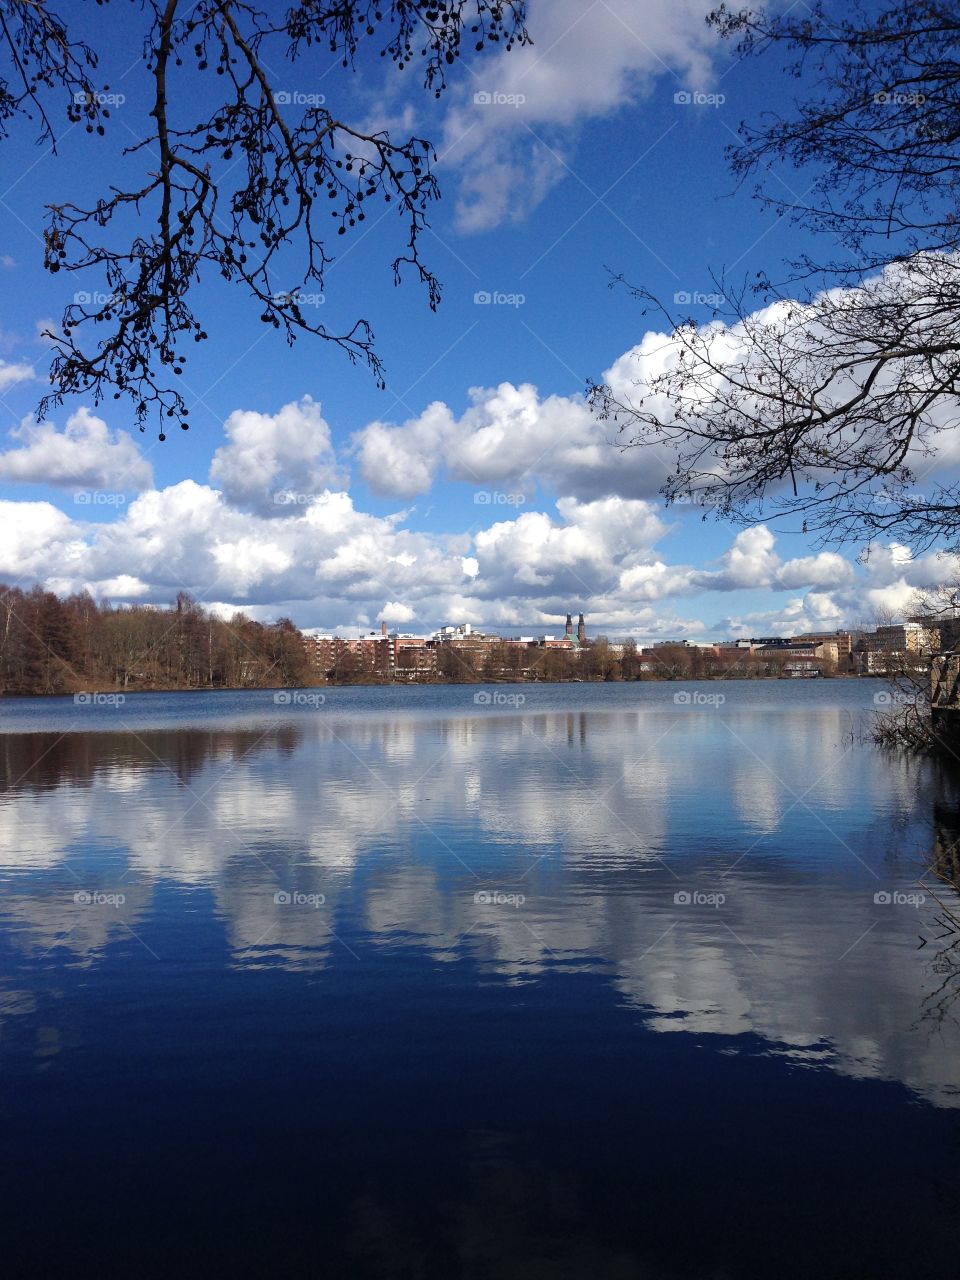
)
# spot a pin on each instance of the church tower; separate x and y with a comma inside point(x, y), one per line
point(569, 628)
point(582, 630)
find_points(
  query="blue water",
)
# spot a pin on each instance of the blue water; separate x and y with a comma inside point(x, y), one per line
point(617, 981)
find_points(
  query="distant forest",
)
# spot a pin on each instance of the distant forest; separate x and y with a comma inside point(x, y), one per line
point(53, 645)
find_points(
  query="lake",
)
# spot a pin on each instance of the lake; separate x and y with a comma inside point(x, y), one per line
point(613, 981)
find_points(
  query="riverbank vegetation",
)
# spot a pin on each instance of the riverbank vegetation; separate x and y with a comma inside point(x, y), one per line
point(50, 645)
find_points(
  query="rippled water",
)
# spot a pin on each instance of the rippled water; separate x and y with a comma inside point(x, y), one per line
point(604, 984)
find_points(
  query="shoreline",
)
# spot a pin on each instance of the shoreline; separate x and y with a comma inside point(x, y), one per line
point(107, 691)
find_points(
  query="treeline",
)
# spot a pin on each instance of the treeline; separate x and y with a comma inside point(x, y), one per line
point(599, 660)
point(50, 645)
point(690, 662)
point(596, 661)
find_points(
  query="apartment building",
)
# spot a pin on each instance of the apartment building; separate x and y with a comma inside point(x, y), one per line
point(844, 640)
point(813, 654)
point(902, 637)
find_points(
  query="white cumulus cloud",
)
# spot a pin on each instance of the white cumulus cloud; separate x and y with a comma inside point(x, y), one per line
point(275, 463)
point(86, 454)
point(11, 373)
point(509, 436)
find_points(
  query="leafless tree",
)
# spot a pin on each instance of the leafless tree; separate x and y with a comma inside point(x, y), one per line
point(253, 189)
point(828, 393)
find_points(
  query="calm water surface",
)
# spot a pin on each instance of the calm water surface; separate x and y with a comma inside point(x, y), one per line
point(400, 984)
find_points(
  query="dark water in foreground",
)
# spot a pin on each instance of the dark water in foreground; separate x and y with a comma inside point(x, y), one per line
point(403, 985)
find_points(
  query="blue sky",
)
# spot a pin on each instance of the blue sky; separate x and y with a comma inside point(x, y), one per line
point(477, 486)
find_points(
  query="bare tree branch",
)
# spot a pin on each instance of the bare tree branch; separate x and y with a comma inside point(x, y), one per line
point(304, 173)
point(834, 403)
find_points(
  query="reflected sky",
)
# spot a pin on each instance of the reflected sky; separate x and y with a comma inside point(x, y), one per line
point(745, 881)
point(718, 865)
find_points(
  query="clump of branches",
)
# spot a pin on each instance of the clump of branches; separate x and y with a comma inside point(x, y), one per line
point(828, 395)
point(264, 180)
point(878, 122)
point(829, 407)
point(42, 56)
point(914, 687)
point(903, 717)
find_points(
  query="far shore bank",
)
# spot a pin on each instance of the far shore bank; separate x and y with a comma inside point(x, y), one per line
point(106, 691)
